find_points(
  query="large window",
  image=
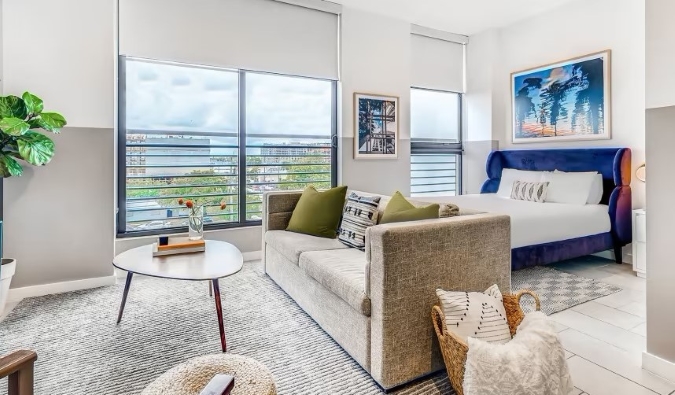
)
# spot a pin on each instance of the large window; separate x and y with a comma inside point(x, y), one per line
point(436, 143)
point(217, 135)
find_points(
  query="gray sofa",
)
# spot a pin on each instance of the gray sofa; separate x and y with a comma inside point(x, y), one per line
point(376, 304)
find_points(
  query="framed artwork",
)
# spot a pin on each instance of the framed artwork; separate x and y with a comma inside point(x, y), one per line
point(568, 100)
point(375, 126)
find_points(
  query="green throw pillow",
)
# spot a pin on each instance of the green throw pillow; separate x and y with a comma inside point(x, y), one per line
point(400, 210)
point(318, 213)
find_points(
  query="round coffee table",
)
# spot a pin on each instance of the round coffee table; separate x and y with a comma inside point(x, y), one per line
point(220, 260)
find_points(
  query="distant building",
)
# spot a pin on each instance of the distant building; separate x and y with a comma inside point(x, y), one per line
point(139, 154)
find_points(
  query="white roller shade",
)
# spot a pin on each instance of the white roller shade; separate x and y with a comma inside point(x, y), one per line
point(437, 64)
point(262, 35)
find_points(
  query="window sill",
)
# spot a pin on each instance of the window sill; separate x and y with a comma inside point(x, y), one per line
point(183, 231)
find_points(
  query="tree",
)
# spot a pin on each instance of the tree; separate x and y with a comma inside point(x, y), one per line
point(589, 76)
point(523, 101)
point(554, 95)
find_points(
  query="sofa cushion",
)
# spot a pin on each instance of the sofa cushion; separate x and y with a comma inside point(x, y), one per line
point(291, 244)
point(400, 210)
point(343, 272)
point(318, 213)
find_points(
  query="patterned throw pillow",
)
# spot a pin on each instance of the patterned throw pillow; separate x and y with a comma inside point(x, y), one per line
point(480, 315)
point(529, 191)
point(359, 213)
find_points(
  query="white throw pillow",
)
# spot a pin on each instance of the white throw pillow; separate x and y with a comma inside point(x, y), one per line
point(569, 188)
point(597, 189)
point(480, 315)
point(509, 176)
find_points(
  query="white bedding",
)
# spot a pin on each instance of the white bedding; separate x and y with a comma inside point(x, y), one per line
point(536, 223)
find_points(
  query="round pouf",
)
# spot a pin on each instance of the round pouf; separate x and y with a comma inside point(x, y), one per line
point(190, 378)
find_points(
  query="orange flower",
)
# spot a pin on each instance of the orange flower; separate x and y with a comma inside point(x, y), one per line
point(189, 204)
point(180, 201)
point(223, 205)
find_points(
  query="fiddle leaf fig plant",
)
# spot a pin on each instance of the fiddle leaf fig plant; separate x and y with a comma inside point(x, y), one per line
point(20, 140)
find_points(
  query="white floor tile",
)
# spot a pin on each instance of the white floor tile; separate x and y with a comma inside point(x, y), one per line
point(622, 298)
point(559, 327)
point(576, 391)
point(595, 380)
point(568, 354)
point(636, 308)
point(640, 329)
point(611, 334)
point(609, 315)
point(627, 281)
point(624, 363)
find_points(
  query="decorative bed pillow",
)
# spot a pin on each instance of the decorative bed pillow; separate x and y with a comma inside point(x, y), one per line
point(529, 191)
point(359, 214)
point(480, 315)
point(318, 213)
point(597, 188)
point(509, 176)
point(401, 210)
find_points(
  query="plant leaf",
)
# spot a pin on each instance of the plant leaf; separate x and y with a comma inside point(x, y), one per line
point(51, 121)
point(34, 104)
point(9, 167)
point(12, 106)
point(35, 148)
point(14, 126)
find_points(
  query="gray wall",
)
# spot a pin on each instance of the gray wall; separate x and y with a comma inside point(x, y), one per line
point(660, 231)
point(58, 218)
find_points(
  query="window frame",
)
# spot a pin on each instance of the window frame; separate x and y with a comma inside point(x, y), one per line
point(440, 147)
point(242, 222)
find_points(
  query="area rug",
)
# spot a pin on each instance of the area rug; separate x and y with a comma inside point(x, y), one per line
point(82, 351)
point(557, 290)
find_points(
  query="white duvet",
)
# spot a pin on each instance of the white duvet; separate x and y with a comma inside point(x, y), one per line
point(536, 223)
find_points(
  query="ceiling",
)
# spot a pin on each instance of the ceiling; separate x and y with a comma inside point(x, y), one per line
point(457, 16)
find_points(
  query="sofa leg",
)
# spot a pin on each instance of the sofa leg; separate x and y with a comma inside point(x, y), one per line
point(618, 254)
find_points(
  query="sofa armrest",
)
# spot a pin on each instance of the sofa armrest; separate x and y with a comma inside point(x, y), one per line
point(408, 262)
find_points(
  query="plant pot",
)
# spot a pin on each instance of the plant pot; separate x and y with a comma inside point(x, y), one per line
point(7, 270)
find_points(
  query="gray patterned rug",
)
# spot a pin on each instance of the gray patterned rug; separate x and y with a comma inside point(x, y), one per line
point(558, 290)
point(82, 351)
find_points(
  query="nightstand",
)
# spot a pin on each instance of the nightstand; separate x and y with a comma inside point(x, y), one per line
point(640, 242)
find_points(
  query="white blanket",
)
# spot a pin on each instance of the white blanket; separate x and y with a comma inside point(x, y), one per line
point(533, 363)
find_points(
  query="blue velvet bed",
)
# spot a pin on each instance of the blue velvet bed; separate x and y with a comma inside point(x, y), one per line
point(615, 166)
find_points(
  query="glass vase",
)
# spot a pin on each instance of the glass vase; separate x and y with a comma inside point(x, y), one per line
point(196, 223)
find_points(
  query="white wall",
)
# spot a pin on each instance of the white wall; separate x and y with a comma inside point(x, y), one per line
point(592, 26)
point(660, 82)
point(659, 53)
point(375, 59)
point(59, 218)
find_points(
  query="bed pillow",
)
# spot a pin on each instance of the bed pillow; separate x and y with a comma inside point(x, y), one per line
point(480, 315)
point(509, 176)
point(359, 214)
point(529, 191)
point(597, 189)
point(569, 188)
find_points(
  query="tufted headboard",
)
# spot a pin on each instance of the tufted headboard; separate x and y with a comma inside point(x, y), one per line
point(613, 163)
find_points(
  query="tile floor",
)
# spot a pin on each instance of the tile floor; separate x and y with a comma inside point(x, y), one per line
point(604, 338)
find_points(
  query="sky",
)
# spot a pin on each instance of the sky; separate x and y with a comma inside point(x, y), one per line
point(164, 96)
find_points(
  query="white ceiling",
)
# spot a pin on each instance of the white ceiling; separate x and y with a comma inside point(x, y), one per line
point(457, 16)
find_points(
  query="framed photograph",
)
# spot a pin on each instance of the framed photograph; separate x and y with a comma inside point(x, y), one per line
point(568, 100)
point(375, 126)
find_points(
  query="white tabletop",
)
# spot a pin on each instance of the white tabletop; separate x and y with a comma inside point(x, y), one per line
point(220, 259)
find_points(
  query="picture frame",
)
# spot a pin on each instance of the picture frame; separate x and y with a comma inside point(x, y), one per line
point(376, 126)
point(568, 100)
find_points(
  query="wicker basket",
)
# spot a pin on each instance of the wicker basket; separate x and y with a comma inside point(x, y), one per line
point(454, 349)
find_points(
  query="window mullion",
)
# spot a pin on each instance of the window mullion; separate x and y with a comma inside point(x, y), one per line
point(242, 147)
